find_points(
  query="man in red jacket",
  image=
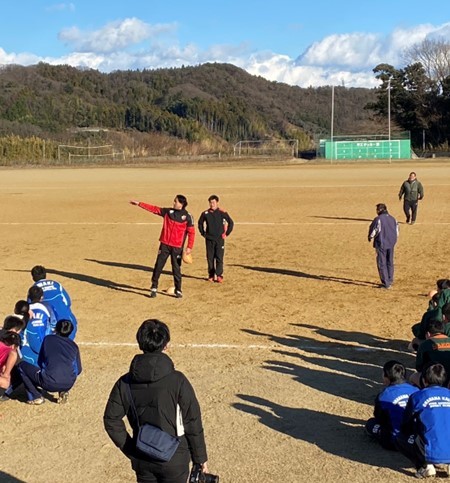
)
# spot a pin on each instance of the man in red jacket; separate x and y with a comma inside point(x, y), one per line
point(178, 225)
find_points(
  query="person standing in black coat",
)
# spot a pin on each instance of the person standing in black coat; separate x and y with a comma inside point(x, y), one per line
point(412, 192)
point(215, 225)
point(162, 397)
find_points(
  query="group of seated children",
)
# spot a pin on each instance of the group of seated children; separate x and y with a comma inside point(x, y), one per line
point(413, 416)
point(36, 343)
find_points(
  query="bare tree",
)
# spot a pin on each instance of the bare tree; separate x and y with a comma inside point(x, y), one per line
point(434, 55)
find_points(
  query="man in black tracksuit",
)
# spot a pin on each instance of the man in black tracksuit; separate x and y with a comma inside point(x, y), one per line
point(412, 192)
point(160, 394)
point(215, 225)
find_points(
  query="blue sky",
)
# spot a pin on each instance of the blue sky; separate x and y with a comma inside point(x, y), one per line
point(305, 43)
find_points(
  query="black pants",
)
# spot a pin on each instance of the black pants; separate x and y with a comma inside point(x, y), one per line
point(177, 474)
point(175, 258)
point(410, 446)
point(215, 251)
point(410, 209)
point(176, 471)
point(385, 265)
point(375, 431)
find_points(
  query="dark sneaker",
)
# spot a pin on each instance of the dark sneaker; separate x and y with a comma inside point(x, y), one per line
point(63, 397)
point(407, 220)
point(178, 294)
point(4, 398)
point(153, 293)
point(219, 280)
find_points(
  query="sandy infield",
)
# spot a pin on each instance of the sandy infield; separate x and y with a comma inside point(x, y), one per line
point(285, 356)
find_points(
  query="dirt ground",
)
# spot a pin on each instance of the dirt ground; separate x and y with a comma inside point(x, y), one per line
point(285, 356)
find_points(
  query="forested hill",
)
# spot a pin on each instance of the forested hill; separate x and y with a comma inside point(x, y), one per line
point(216, 102)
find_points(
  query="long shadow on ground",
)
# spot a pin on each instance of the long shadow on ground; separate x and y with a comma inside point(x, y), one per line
point(359, 337)
point(6, 478)
point(101, 282)
point(296, 273)
point(134, 266)
point(341, 218)
point(337, 435)
point(344, 370)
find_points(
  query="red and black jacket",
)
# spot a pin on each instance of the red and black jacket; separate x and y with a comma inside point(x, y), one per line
point(176, 226)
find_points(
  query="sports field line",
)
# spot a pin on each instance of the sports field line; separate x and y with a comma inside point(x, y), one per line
point(360, 348)
point(241, 223)
point(106, 223)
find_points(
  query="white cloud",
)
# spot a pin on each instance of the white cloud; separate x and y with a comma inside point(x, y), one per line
point(112, 37)
point(59, 7)
point(344, 59)
point(24, 58)
point(354, 50)
point(281, 68)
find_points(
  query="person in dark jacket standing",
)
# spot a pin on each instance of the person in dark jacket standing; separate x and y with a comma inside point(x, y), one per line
point(215, 225)
point(162, 397)
point(178, 225)
point(412, 191)
point(59, 365)
point(384, 232)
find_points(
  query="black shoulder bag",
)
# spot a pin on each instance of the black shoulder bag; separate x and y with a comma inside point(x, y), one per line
point(153, 441)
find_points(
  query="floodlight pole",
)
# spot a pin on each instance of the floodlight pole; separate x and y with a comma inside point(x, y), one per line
point(389, 108)
point(389, 117)
point(332, 121)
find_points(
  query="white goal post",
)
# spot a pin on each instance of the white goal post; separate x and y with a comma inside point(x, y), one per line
point(88, 152)
point(266, 147)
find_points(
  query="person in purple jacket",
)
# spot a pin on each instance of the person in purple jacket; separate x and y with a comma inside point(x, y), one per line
point(384, 232)
point(58, 366)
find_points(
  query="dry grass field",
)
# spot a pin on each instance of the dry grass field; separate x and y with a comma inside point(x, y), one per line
point(285, 356)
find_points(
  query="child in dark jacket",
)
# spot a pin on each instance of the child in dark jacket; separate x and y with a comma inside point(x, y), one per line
point(390, 405)
point(59, 365)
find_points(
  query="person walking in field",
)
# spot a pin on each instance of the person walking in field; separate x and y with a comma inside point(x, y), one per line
point(412, 191)
point(384, 232)
point(215, 225)
point(178, 224)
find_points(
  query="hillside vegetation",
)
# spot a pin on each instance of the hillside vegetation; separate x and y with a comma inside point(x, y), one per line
point(188, 110)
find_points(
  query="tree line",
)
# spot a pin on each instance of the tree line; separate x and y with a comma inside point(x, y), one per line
point(216, 105)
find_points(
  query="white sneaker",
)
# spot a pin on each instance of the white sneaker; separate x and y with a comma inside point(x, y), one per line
point(63, 396)
point(426, 471)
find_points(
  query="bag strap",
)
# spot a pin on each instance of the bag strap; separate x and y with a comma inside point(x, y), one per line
point(133, 405)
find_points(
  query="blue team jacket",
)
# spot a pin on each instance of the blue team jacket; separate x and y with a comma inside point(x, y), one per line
point(57, 297)
point(427, 415)
point(35, 331)
point(60, 363)
point(390, 405)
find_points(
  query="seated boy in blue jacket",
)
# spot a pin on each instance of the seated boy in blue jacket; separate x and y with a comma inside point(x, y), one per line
point(58, 366)
point(425, 429)
point(390, 405)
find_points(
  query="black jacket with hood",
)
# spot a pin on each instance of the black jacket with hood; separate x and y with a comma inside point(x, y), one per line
point(157, 389)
